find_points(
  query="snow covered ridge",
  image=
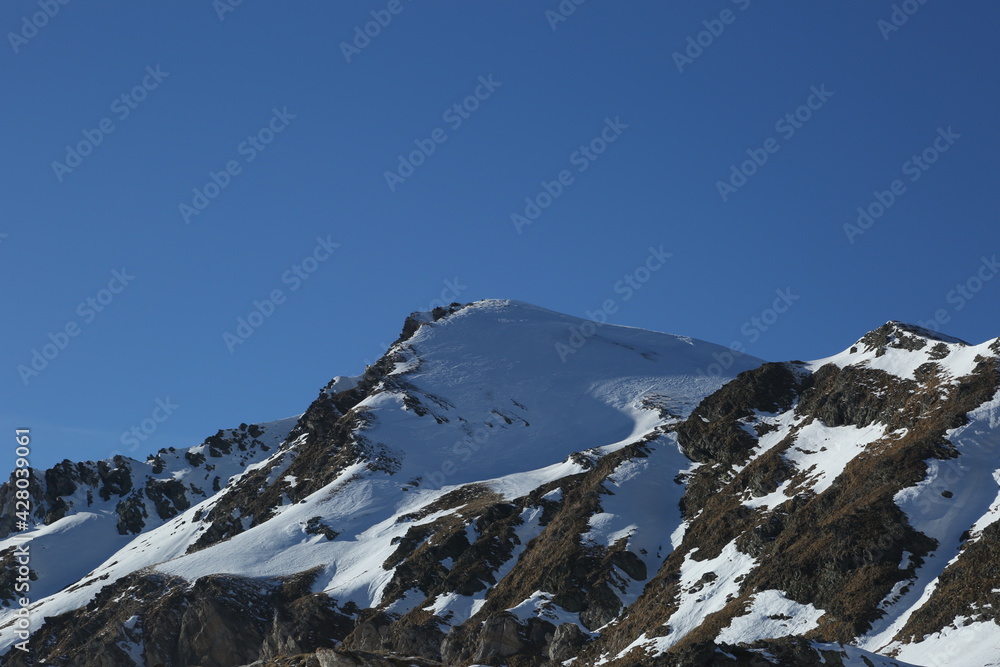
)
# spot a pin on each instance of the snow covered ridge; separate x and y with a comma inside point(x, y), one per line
point(902, 349)
point(471, 499)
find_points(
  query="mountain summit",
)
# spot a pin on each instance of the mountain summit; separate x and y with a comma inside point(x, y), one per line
point(482, 496)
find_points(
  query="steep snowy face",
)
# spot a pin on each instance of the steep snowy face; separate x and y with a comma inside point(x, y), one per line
point(486, 392)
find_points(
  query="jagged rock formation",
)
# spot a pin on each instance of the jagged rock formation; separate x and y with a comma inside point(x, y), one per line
point(132, 496)
point(471, 499)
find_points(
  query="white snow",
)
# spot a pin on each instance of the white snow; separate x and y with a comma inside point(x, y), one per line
point(540, 605)
point(643, 508)
point(821, 452)
point(824, 451)
point(342, 383)
point(456, 608)
point(771, 500)
point(771, 615)
point(976, 644)
point(706, 587)
point(852, 656)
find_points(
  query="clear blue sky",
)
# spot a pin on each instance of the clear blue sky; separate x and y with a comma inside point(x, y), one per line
point(215, 88)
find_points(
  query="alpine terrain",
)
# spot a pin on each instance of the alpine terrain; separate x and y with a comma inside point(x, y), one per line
point(512, 486)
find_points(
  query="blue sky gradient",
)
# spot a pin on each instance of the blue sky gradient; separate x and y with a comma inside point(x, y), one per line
point(292, 126)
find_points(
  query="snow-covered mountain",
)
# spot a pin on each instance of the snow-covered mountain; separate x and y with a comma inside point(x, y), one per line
point(512, 486)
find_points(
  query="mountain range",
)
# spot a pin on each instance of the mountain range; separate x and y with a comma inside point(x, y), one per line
point(480, 497)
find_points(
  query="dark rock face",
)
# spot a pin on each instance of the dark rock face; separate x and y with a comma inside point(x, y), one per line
point(713, 432)
point(566, 642)
point(118, 480)
point(501, 637)
point(222, 624)
point(46, 490)
point(115, 480)
point(219, 621)
point(132, 515)
point(8, 577)
point(338, 658)
point(170, 498)
point(901, 336)
point(384, 634)
point(302, 624)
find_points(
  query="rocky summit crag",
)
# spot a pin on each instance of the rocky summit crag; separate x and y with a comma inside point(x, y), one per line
point(476, 498)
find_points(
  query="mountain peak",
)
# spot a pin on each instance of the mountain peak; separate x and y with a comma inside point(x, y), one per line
point(896, 330)
point(905, 350)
